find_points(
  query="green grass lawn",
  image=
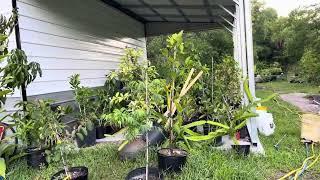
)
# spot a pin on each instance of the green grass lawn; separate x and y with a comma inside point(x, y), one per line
point(286, 87)
point(204, 162)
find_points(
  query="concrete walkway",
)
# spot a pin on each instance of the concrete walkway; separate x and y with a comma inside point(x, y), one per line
point(299, 100)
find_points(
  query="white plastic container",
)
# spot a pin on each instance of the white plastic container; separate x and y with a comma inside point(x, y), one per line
point(265, 122)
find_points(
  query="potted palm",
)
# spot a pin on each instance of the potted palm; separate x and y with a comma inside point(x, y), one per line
point(36, 127)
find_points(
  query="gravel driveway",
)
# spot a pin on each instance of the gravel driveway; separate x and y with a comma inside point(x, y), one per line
point(300, 100)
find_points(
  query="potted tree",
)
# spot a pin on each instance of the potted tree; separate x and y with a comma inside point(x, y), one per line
point(146, 172)
point(64, 146)
point(178, 82)
point(236, 119)
point(36, 127)
point(129, 107)
point(84, 131)
point(62, 149)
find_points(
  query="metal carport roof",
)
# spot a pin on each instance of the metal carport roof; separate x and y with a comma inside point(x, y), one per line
point(173, 15)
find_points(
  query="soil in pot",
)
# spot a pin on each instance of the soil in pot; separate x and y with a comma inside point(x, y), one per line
point(140, 174)
point(76, 173)
point(36, 158)
point(171, 160)
point(88, 140)
point(100, 131)
point(242, 149)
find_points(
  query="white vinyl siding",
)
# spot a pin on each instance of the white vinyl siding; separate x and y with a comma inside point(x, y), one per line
point(74, 36)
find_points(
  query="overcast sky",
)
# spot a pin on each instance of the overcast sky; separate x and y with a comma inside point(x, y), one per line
point(284, 7)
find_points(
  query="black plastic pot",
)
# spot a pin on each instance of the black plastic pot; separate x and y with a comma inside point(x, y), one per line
point(110, 130)
point(155, 136)
point(88, 140)
point(242, 149)
point(100, 131)
point(36, 158)
point(217, 141)
point(171, 160)
point(77, 173)
point(140, 174)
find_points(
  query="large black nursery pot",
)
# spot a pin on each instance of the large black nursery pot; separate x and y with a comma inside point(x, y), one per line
point(132, 149)
point(36, 158)
point(171, 160)
point(100, 132)
point(140, 174)
point(76, 173)
point(242, 149)
point(88, 140)
point(155, 136)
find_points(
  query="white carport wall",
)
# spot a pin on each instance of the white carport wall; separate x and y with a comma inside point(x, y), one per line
point(98, 24)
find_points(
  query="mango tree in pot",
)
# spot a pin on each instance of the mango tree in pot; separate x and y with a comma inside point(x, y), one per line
point(37, 127)
point(8, 143)
point(129, 106)
point(64, 147)
point(222, 94)
point(84, 132)
point(178, 82)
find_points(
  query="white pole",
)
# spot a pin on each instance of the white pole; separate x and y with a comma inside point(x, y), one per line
point(249, 39)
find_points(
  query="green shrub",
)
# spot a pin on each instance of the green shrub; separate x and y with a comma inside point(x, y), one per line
point(310, 66)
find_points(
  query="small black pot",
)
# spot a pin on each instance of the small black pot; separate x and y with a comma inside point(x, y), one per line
point(109, 130)
point(155, 136)
point(36, 158)
point(88, 140)
point(217, 141)
point(77, 173)
point(140, 174)
point(100, 131)
point(171, 160)
point(242, 149)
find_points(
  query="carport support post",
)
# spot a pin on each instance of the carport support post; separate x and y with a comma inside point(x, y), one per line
point(245, 55)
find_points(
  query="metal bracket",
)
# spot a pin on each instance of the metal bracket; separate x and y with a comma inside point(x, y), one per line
point(228, 29)
point(226, 20)
point(236, 1)
point(226, 10)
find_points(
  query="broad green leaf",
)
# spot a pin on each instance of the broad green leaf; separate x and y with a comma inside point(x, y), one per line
point(4, 92)
point(200, 138)
point(122, 145)
point(188, 131)
point(247, 90)
point(3, 168)
point(80, 136)
point(272, 96)
point(193, 124)
point(84, 131)
point(217, 124)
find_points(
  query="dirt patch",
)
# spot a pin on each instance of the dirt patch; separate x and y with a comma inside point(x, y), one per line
point(301, 101)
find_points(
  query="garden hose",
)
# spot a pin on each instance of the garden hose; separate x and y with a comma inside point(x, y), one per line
point(304, 166)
